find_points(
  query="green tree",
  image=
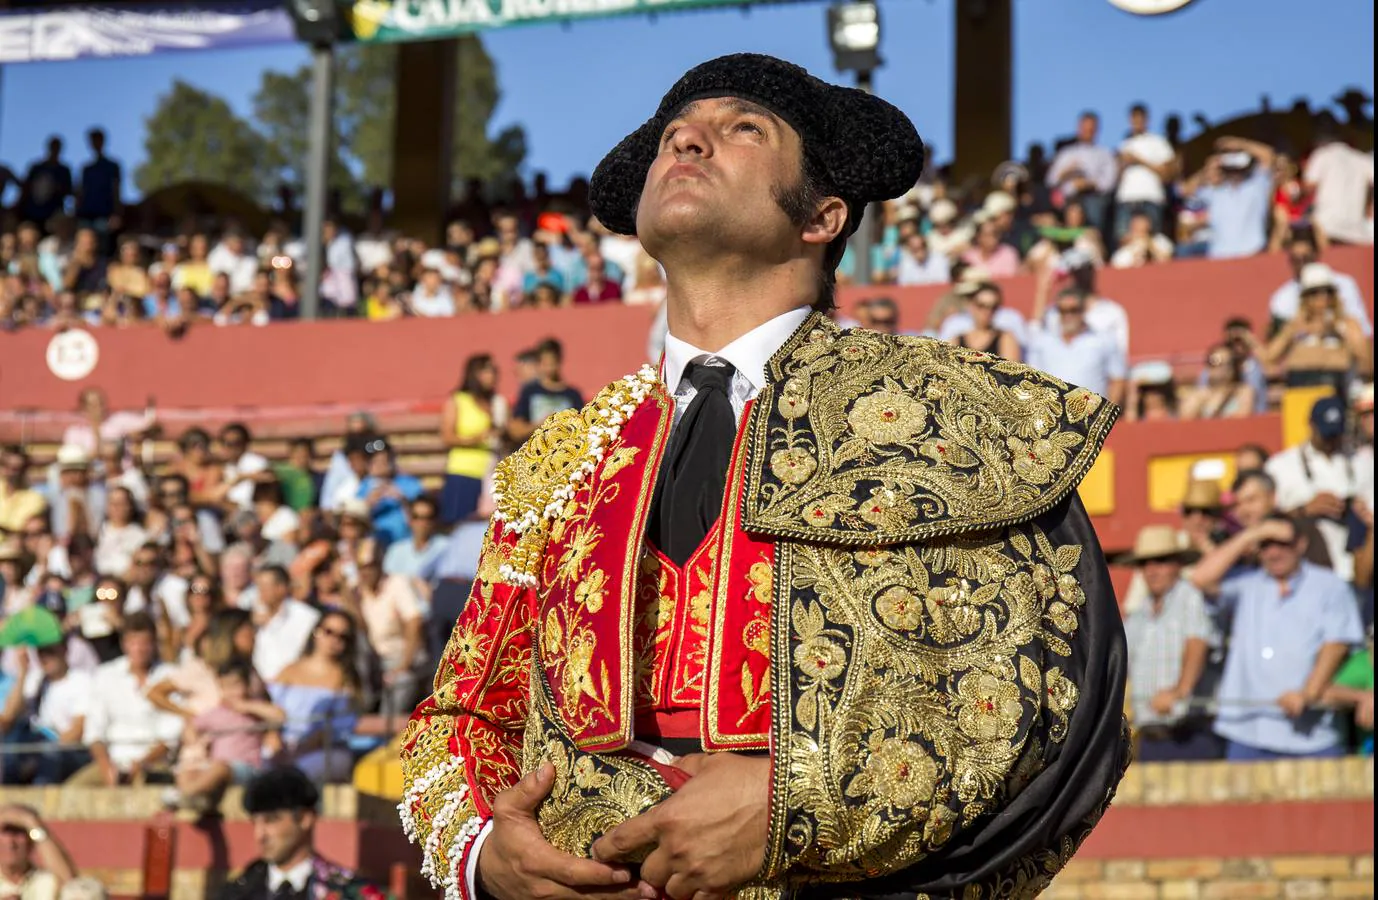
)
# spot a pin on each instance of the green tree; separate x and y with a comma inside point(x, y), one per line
point(195, 136)
point(365, 110)
point(282, 107)
point(476, 154)
point(366, 106)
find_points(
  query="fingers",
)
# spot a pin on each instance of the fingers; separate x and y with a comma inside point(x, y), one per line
point(527, 794)
point(623, 842)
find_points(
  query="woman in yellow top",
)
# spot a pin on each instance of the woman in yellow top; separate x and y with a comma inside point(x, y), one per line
point(471, 425)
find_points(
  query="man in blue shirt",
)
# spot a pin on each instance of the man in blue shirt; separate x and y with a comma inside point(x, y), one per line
point(1075, 353)
point(1238, 196)
point(1294, 624)
point(416, 557)
point(388, 492)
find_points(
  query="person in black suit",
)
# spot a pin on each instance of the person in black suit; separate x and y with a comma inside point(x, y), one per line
point(283, 806)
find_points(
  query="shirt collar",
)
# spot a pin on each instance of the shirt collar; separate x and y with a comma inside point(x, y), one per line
point(296, 876)
point(748, 354)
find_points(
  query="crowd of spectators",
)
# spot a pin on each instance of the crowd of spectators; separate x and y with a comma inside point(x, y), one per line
point(70, 257)
point(1250, 625)
point(190, 623)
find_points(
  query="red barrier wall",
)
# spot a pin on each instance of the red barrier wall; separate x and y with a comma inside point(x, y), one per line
point(1174, 309)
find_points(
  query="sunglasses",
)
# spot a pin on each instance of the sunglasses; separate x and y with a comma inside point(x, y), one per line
point(986, 305)
point(1199, 511)
point(1070, 310)
point(1273, 542)
point(201, 589)
point(107, 593)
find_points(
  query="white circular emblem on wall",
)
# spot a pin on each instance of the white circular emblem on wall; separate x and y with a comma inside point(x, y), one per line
point(73, 354)
point(1150, 7)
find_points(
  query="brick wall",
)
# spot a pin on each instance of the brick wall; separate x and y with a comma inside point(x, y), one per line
point(1291, 830)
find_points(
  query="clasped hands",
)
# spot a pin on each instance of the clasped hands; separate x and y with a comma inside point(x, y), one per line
point(702, 843)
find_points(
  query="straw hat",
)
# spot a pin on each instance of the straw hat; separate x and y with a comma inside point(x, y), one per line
point(1158, 542)
point(972, 279)
point(1203, 495)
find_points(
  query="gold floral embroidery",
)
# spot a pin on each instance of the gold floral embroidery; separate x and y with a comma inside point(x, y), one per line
point(881, 440)
point(988, 708)
point(888, 416)
point(590, 590)
point(899, 773)
point(794, 465)
point(930, 718)
point(899, 609)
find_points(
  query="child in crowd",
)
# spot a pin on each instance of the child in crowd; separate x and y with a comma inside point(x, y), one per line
point(235, 739)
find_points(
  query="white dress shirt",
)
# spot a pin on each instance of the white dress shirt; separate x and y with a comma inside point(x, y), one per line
point(281, 639)
point(296, 876)
point(1302, 472)
point(749, 355)
point(121, 716)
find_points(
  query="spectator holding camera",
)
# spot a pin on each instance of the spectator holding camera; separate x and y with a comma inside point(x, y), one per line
point(1321, 344)
point(1286, 301)
point(1236, 190)
point(1318, 479)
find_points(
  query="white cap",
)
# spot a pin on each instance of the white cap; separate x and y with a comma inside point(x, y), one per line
point(998, 203)
point(1317, 276)
point(1236, 159)
point(942, 211)
point(356, 508)
point(70, 456)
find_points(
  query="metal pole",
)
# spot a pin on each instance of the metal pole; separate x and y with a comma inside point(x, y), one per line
point(317, 173)
point(862, 238)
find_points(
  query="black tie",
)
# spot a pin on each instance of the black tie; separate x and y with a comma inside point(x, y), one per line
point(689, 489)
point(285, 891)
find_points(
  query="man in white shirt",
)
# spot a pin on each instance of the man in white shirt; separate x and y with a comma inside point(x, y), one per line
point(241, 464)
point(918, 265)
point(432, 297)
point(1342, 178)
point(129, 738)
point(1286, 300)
point(1147, 163)
point(1319, 480)
point(232, 259)
point(284, 624)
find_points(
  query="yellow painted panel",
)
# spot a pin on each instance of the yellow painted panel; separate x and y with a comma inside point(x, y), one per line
point(380, 773)
point(1098, 487)
point(1168, 477)
point(1296, 412)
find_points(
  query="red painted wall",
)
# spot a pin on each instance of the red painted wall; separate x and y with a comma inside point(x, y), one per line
point(1174, 309)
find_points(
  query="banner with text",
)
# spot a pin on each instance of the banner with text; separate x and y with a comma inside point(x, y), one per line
point(81, 32)
point(411, 20)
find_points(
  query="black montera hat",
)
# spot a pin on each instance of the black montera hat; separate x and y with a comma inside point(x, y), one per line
point(861, 147)
point(279, 789)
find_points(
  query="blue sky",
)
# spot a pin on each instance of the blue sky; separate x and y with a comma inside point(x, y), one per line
point(578, 89)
